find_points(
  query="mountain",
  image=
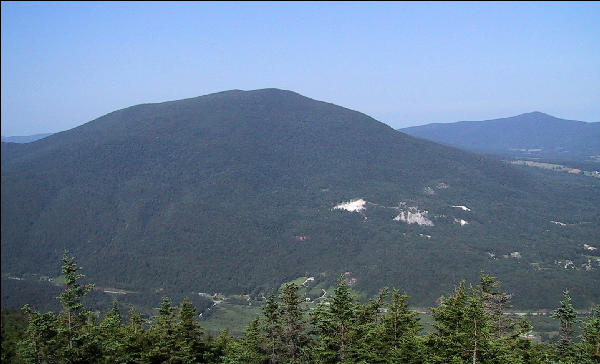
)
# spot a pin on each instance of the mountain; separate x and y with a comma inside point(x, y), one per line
point(239, 191)
point(25, 138)
point(531, 135)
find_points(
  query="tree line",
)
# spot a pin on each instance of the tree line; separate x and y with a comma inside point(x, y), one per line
point(470, 326)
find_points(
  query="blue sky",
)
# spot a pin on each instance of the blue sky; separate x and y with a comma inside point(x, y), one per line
point(64, 64)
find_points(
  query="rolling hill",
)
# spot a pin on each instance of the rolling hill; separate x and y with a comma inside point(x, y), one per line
point(533, 135)
point(239, 191)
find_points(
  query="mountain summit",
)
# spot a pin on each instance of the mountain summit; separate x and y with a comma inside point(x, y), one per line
point(239, 191)
point(533, 134)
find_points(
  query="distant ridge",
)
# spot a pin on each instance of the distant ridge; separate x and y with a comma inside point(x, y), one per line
point(533, 134)
point(24, 139)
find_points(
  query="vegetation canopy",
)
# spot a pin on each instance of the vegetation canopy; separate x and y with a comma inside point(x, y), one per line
point(340, 329)
point(237, 192)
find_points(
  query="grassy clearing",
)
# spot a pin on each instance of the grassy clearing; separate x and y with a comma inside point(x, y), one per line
point(298, 281)
point(543, 165)
point(229, 316)
point(555, 167)
point(236, 318)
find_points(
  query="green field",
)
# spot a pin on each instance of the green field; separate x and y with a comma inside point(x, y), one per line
point(555, 167)
point(231, 316)
point(234, 313)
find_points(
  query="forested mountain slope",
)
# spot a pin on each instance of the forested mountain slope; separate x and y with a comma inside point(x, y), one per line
point(530, 135)
point(237, 192)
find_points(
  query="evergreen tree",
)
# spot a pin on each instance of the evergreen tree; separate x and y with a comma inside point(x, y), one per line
point(294, 338)
point(334, 322)
point(400, 331)
point(135, 339)
point(89, 347)
point(111, 335)
point(366, 336)
point(399, 320)
point(507, 343)
point(14, 325)
point(590, 341)
point(271, 326)
point(469, 325)
point(162, 334)
point(495, 304)
point(478, 325)
point(566, 315)
point(71, 336)
point(71, 298)
point(190, 345)
point(463, 328)
point(216, 349)
point(517, 347)
point(248, 348)
point(40, 344)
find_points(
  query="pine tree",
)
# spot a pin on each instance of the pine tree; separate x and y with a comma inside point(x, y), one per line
point(89, 345)
point(69, 337)
point(367, 344)
point(248, 348)
point(334, 322)
point(271, 326)
point(478, 325)
point(400, 331)
point(40, 344)
point(111, 336)
point(135, 339)
point(590, 343)
point(463, 328)
point(566, 315)
point(293, 327)
point(190, 345)
point(507, 343)
point(14, 325)
point(71, 300)
point(162, 334)
point(495, 304)
point(400, 321)
point(216, 349)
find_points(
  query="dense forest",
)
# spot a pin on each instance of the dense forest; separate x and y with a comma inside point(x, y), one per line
point(469, 326)
point(533, 135)
point(235, 193)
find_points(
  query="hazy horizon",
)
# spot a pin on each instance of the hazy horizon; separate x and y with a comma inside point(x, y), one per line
point(405, 64)
point(447, 122)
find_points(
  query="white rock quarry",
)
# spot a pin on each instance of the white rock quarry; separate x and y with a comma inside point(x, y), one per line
point(461, 222)
point(464, 208)
point(414, 216)
point(352, 206)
